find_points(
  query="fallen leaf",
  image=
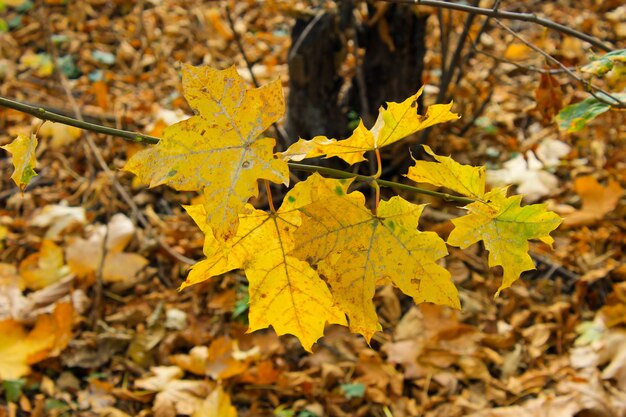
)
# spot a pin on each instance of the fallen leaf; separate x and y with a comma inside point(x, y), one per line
point(59, 134)
point(57, 218)
point(173, 394)
point(217, 404)
point(532, 180)
point(597, 201)
point(43, 268)
point(517, 52)
point(84, 257)
point(19, 349)
point(216, 361)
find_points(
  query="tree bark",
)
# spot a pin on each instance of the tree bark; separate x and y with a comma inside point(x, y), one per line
point(391, 68)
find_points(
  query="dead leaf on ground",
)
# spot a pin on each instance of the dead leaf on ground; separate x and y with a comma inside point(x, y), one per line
point(173, 394)
point(84, 256)
point(19, 349)
point(597, 200)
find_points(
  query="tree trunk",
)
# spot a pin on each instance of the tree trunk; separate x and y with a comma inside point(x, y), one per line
point(391, 69)
point(316, 53)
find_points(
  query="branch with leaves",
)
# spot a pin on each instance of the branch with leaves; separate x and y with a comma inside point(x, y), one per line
point(318, 256)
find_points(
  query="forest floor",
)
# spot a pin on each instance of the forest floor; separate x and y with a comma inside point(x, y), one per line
point(128, 343)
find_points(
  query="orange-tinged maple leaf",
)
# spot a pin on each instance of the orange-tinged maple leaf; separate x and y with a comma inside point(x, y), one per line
point(396, 122)
point(23, 151)
point(19, 349)
point(505, 228)
point(216, 361)
point(355, 250)
point(549, 97)
point(446, 172)
point(597, 200)
point(219, 150)
point(285, 292)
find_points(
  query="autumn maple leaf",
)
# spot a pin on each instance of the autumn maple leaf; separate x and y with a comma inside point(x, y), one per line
point(218, 151)
point(395, 122)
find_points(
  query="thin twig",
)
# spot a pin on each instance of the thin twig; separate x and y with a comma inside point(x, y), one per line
point(481, 31)
point(530, 68)
point(502, 14)
point(447, 76)
point(443, 41)
point(44, 114)
point(617, 103)
point(384, 183)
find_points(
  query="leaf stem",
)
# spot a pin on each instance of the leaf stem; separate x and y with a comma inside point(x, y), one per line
point(147, 139)
point(270, 200)
point(379, 165)
point(337, 173)
point(376, 188)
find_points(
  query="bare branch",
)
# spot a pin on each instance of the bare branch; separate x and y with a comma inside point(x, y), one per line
point(502, 14)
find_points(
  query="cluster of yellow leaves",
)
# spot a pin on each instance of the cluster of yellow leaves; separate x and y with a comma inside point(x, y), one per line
point(319, 257)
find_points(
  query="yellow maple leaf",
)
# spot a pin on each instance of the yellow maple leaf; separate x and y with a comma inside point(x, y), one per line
point(219, 150)
point(396, 122)
point(285, 292)
point(355, 250)
point(19, 349)
point(23, 151)
point(505, 228)
point(43, 268)
point(217, 404)
point(446, 172)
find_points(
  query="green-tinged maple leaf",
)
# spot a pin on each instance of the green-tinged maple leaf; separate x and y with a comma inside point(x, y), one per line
point(505, 228)
point(23, 151)
point(446, 172)
point(285, 292)
point(355, 250)
point(219, 150)
point(396, 122)
point(606, 63)
point(575, 117)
